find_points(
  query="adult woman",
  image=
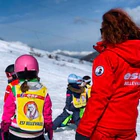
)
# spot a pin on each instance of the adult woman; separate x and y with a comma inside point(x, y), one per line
point(111, 112)
point(27, 110)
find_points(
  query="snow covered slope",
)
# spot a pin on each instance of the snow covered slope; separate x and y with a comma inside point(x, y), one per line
point(54, 71)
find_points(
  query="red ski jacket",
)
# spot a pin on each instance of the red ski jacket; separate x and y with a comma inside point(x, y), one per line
point(116, 89)
point(9, 88)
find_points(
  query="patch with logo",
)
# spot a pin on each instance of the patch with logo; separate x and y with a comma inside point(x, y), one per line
point(99, 70)
point(31, 110)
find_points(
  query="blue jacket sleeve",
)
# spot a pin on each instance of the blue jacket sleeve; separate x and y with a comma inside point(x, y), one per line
point(69, 104)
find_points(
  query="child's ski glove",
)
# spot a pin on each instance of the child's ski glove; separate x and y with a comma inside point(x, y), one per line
point(49, 130)
point(4, 130)
point(5, 126)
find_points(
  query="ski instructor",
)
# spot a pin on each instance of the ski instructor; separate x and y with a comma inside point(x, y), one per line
point(111, 112)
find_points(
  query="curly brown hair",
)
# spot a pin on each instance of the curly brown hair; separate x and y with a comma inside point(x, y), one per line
point(118, 27)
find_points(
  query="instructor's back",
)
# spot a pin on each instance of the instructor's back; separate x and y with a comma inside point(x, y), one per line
point(111, 112)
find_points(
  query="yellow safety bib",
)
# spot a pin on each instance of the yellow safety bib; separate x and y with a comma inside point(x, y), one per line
point(88, 90)
point(29, 113)
point(80, 102)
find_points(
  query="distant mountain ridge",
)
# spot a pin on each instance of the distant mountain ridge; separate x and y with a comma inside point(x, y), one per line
point(85, 55)
point(90, 57)
point(73, 54)
point(15, 47)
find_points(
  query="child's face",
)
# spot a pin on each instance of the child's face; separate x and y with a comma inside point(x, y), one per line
point(10, 79)
point(84, 84)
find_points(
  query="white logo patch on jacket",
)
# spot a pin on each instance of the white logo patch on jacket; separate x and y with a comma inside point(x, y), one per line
point(99, 70)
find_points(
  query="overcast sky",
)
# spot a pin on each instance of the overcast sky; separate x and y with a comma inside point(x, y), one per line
point(58, 24)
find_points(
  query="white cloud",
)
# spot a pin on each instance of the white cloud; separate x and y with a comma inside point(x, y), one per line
point(134, 13)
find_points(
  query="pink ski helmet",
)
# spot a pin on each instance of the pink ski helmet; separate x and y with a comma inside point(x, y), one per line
point(26, 61)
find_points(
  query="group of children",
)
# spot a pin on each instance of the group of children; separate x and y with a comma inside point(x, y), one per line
point(27, 110)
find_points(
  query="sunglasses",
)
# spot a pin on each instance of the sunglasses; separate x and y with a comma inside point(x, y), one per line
point(101, 30)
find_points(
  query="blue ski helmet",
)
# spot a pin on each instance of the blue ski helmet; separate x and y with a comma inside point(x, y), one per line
point(74, 79)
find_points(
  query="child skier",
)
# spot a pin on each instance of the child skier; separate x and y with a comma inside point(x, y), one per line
point(29, 103)
point(12, 79)
point(86, 84)
point(74, 101)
